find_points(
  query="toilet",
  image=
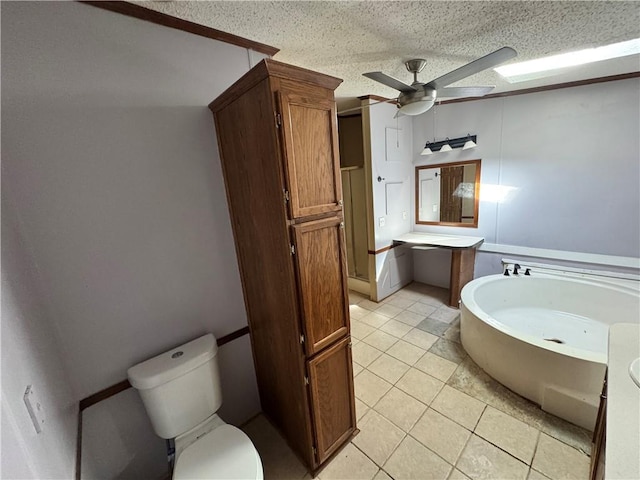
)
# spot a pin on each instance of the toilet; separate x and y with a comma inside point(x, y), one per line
point(181, 392)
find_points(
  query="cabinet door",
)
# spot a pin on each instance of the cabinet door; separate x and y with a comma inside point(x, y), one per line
point(332, 400)
point(310, 153)
point(322, 283)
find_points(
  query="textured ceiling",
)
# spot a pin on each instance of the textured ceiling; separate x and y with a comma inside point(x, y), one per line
point(348, 38)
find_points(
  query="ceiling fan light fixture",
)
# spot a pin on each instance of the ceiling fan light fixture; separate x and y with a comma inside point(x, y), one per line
point(417, 107)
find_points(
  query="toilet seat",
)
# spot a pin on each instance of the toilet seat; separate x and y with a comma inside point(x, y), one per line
point(224, 453)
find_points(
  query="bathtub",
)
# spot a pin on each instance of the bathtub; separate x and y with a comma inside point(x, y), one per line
point(545, 336)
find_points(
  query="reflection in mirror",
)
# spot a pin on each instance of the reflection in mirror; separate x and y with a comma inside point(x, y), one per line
point(448, 194)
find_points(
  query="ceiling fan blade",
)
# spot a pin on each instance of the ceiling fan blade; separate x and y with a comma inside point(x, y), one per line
point(390, 81)
point(483, 63)
point(451, 92)
point(362, 107)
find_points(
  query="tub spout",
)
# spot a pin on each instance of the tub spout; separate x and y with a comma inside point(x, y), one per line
point(515, 268)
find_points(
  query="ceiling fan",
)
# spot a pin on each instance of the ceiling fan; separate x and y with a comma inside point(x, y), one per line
point(419, 97)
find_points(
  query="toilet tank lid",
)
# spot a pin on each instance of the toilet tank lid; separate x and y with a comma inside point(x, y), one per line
point(172, 364)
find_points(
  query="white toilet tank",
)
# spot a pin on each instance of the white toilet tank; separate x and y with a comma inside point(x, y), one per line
point(180, 388)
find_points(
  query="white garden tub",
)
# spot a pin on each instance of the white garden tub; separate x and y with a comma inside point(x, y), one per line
point(545, 336)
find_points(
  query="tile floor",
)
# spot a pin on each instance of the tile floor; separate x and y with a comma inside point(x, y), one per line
point(426, 411)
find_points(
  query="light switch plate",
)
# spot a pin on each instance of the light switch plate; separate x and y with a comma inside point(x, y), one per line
point(34, 406)
point(404, 215)
point(381, 221)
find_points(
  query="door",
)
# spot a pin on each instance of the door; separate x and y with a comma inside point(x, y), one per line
point(310, 154)
point(450, 202)
point(320, 263)
point(332, 398)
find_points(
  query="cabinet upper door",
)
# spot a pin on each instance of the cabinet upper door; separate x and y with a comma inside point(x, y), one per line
point(312, 166)
point(333, 409)
point(322, 283)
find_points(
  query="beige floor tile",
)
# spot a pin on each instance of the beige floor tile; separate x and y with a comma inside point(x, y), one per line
point(407, 293)
point(459, 407)
point(368, 304)
point(364, 354)
point(360, 330)
point(401, 302)
point(388, 368)
point(558, 460)
point(378, 437)
point(413, 461)
point(356, 311)
point(436, 366)
point(370, 388)
point(357, 368)
point(395, 328)
point(511, 435)
point(419, 385)
point(423, 309)
point(350, 464)
point(374, 319)
point(355, 297)
point(402, 409)
point(445, 314)
point(457, 475)
point(361, 409)
point(533, 475)
point(380, 340)
point(481, 460)
point(431, 299)
point(420, 338)
point(443, 436)
point(388, 310)
point(409, 318)
point(452, 351)
point(406, 352)
point(381, 475)
point(278, 460)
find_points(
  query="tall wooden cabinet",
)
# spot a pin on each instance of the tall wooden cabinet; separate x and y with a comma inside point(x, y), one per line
point(276, 129)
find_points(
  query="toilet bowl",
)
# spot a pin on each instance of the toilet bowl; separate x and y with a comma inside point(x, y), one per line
point(181, 393)
point(224, 452)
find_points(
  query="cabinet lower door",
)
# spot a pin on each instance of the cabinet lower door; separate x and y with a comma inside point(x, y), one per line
point(321, 265)
point(332, 398)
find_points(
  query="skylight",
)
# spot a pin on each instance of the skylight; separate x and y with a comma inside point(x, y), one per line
point(542, 67)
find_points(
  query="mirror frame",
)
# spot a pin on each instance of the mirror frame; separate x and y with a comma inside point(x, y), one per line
point(476, 203)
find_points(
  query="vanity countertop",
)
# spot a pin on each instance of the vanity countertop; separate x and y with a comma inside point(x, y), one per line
point(437, 240)
point(622, 450)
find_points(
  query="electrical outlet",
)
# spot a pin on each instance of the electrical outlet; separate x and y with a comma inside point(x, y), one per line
point(34, 406)
point(381, 221)
point(404, 215)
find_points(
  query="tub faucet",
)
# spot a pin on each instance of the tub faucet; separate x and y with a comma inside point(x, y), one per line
point(527, 272)
point(506, 271)
point(515, 268)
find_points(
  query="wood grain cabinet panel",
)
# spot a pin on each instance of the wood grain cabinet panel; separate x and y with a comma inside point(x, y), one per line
point(331, 383)
point(321, 268)
point(276, 130)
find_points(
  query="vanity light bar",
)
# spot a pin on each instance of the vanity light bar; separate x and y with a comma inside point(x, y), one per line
point(463, 142)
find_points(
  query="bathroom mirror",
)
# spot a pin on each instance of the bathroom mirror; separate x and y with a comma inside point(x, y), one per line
point(448, 194)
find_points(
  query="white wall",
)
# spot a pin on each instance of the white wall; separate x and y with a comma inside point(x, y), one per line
point(390, 141)
point(110, 154)
point(572, 157)
point(31, 356)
